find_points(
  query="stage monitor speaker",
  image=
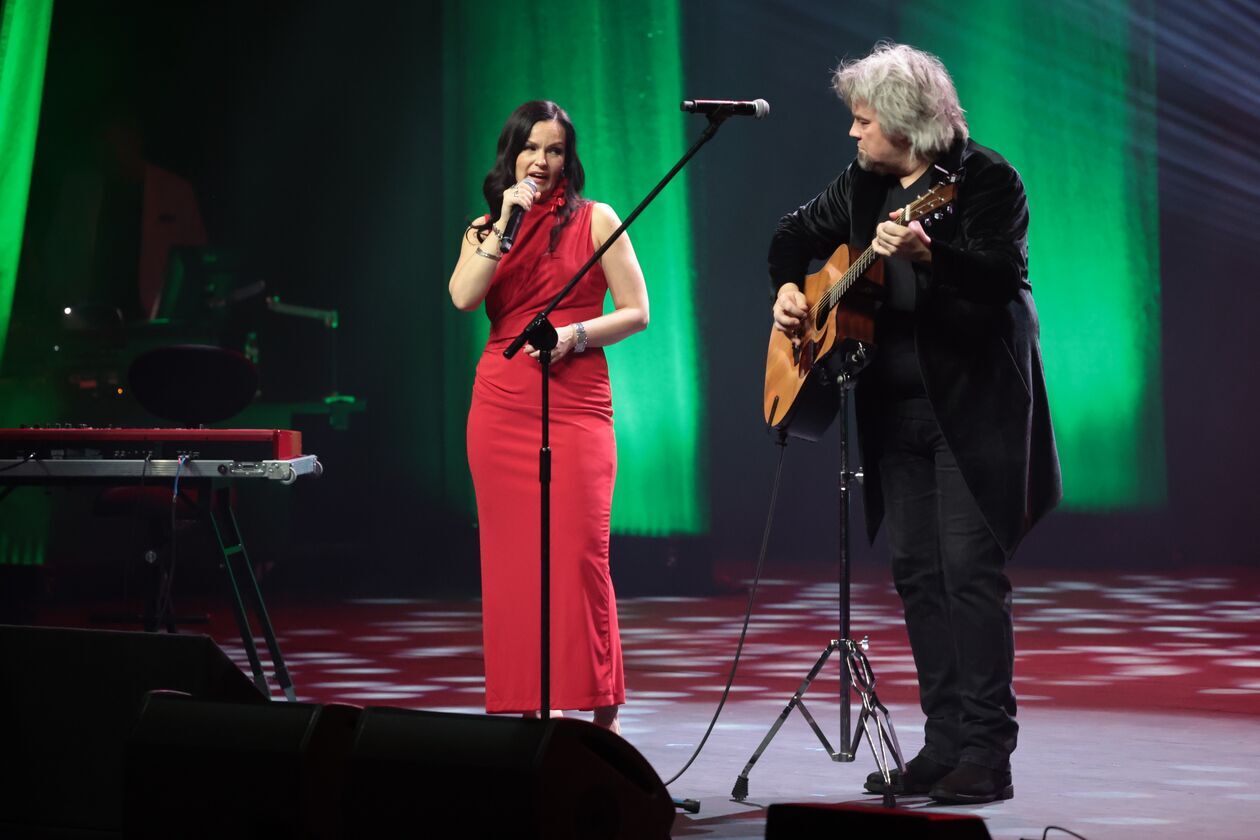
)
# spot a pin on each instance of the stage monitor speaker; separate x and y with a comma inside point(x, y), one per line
point(69, 699)
point(206, 769)
point(496, 777)
point(792, 822)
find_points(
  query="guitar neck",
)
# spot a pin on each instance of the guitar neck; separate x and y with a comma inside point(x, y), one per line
point(937, 197)
point(864, 261)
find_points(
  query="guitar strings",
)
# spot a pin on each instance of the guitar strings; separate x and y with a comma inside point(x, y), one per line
point(831, 297)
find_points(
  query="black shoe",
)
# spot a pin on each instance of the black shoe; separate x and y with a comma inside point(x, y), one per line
point(971, 784)
point(921, 774)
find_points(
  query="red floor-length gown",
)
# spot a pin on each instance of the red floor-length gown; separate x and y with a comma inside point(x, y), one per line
point(504, 435)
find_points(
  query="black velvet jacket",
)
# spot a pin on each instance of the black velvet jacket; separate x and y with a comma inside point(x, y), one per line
point(976, 332)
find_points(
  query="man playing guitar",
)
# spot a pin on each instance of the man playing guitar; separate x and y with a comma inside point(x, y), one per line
point(952, 415)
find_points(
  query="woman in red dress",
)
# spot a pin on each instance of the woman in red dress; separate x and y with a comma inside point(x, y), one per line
point(537, 169)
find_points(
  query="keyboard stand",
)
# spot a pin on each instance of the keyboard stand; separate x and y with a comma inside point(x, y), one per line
point(241, 576)
point(214, 480)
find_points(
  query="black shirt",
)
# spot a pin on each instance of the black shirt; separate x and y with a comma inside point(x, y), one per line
point(895, 369)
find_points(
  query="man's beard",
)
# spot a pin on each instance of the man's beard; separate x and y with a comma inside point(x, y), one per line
point(864, 161)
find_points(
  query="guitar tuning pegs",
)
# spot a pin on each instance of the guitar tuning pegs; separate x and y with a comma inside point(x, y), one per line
point(938, 215)
point(949, 208)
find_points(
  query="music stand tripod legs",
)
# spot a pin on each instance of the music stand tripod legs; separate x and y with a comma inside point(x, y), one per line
point(855, 669)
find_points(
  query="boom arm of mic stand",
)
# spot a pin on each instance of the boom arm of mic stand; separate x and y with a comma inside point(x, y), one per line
point(715, 122)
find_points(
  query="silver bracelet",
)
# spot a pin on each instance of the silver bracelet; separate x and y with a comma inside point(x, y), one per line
point(487, 255)
point(579, 329)
point(497, 232)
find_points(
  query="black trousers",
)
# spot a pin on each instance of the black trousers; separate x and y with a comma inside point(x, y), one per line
point(949, 572)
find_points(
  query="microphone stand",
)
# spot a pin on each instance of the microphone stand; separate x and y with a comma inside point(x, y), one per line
point(542, 335)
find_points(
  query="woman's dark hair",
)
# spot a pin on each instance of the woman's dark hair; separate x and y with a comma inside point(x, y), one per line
point(512, 140)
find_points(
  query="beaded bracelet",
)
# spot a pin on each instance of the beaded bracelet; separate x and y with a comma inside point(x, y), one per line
point(579, 329)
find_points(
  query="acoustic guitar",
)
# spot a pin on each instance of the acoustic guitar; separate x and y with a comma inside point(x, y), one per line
point(801, 394)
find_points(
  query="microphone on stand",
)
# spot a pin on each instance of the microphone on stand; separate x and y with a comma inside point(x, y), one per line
point(757, 108)
point(514, 220)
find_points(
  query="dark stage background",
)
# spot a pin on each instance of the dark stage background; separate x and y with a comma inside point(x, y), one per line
point(322, 147)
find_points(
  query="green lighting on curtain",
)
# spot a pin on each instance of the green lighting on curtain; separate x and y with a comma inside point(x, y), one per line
point(24, 28)
point(617, 69)
point(1066, 93)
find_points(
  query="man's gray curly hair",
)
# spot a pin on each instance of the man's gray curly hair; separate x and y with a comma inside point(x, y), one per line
point(912, 93)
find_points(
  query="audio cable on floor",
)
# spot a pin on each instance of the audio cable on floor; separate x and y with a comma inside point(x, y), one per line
point(743, 633)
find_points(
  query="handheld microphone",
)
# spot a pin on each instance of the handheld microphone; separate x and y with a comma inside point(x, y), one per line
point(758, 108)
point(514, 221)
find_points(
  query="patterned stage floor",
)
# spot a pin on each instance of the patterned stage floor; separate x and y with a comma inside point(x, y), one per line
point(1139, 694)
